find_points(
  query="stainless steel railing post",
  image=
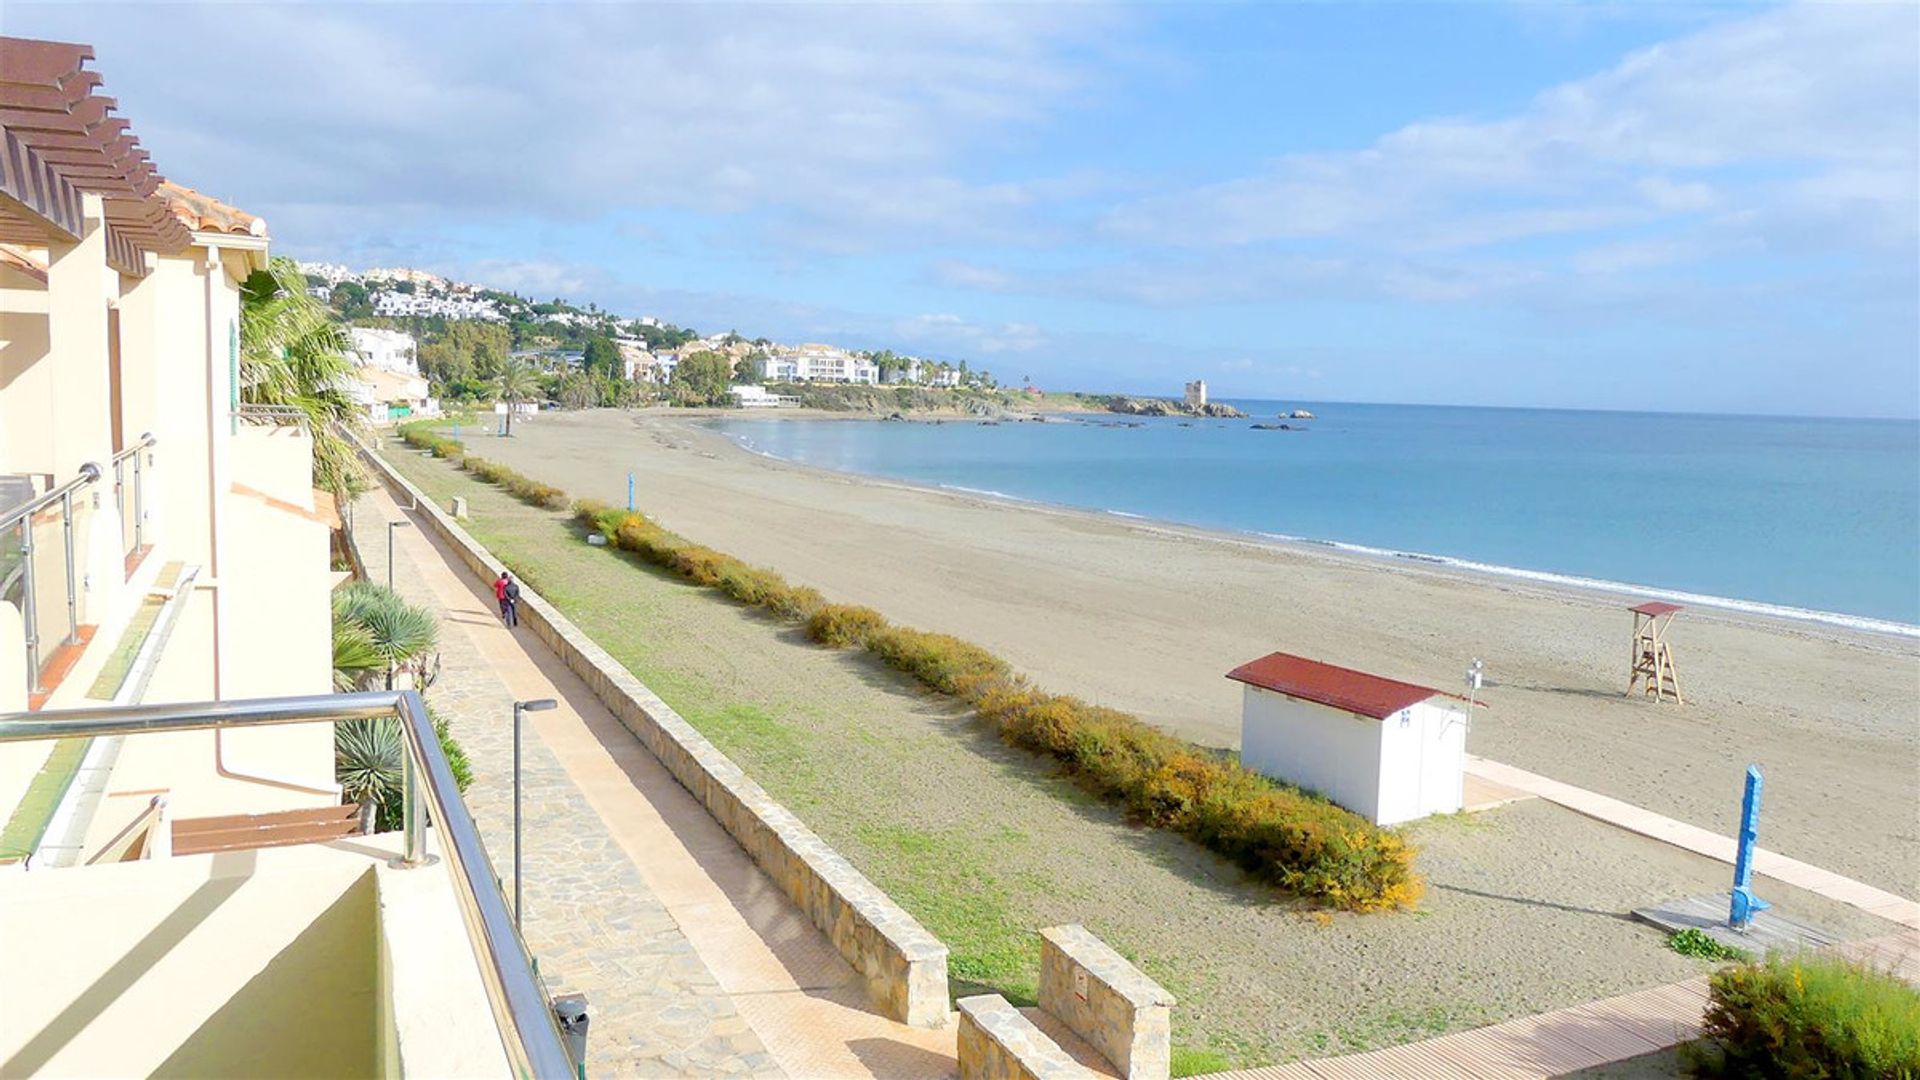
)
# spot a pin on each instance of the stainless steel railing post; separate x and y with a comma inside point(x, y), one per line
point(29, 604)
point(139, 495)
point(413, 821)
point(73, 585)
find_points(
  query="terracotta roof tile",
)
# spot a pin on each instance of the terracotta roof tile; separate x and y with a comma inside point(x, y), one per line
point(204, 213)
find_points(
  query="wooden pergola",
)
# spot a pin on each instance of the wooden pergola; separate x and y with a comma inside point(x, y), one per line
point(59, 142)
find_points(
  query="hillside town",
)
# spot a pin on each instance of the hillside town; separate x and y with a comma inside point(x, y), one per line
point(419, 337)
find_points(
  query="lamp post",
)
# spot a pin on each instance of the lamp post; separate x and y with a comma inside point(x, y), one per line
point(519, 708)
point(392, 525)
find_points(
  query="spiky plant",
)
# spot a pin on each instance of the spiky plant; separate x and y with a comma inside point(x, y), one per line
point(367, 765)
point(399, 634)
point(355, 660)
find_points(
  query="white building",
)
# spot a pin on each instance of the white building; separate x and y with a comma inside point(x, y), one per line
point(819, 363)
point(758, 397)
point(1387, 750)
point(419, 305)
point(388, 350)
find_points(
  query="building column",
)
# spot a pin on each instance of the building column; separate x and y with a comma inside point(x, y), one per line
point(79, 286)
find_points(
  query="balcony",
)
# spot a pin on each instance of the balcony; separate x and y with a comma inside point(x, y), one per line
point(271, 953)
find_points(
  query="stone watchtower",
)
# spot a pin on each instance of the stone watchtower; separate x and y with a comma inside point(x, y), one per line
point(1196, 397)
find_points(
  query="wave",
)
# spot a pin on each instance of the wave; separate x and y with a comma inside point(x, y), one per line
point(1787, 612)
point(988, 492)
point(1679, 596)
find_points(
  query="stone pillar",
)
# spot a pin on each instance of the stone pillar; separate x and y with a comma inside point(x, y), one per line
point(1107, 1001)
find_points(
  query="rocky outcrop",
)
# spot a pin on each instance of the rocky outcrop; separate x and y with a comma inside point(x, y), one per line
point(1128, 406)
point(1299, 414)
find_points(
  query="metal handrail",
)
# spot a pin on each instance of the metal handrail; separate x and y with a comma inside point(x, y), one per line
point(88, 474)
point(146, 440)
point(529, 1033)
point(259, 415)
point(136, 451)
point(22, 515)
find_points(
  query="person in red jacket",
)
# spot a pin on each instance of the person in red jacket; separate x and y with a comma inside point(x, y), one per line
point(500, 592)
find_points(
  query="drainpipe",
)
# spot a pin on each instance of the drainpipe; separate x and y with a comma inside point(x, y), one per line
point(219, 486)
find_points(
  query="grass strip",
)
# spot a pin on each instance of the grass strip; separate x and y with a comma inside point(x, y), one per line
point(1293, 839)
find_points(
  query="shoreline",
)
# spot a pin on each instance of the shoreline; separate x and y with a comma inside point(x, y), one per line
point(1148, 619)
point(1786, 615)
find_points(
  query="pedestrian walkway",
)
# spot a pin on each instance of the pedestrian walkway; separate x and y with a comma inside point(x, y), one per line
point(1826, 883)
point(694, 963)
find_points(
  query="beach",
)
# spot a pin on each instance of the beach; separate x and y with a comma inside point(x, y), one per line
point(1148, 617)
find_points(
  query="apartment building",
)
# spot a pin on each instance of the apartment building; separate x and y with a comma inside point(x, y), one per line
point(162, 542)
point(819, 363)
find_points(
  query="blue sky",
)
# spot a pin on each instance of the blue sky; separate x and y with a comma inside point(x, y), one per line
point(1640, 206)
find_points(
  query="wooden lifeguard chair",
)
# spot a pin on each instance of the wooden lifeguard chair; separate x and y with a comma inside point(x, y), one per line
point(1653, 669)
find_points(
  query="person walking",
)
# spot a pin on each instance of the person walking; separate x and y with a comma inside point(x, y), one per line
point(500, 593)
point(513, 602)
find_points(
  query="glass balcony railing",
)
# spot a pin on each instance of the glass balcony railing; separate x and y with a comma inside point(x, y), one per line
point(525, 1018)
point(41, 543)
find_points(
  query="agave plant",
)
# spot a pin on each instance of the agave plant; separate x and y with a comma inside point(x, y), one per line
point(367, 766)
point(376, 633)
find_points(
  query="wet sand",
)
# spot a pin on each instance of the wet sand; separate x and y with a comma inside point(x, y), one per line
point(1148, 618)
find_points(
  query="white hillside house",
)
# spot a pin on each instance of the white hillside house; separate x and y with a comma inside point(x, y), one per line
point(1387, 750)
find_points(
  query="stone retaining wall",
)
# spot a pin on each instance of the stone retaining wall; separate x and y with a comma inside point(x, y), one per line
point(1106, 1001)
point(997, 1043)
point(905, 967)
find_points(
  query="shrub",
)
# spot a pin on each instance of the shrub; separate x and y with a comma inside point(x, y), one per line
point(839, 626)
point(1809, 1016)
point(1290, 838)
point(794, 601)
point(1298, 841)
point(939, 662)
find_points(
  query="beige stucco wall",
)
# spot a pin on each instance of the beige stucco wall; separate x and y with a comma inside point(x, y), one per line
point(234, 964)
point(319, 960)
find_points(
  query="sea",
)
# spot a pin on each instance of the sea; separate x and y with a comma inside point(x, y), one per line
point(1815, 519)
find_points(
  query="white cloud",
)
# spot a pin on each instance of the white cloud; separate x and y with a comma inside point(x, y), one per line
point(1686, 127)
point(436, 114)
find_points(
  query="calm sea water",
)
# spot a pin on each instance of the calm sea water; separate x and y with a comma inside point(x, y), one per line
point(1813, 514)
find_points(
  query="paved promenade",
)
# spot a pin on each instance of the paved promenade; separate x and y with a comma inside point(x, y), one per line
point(693, 962)
point(1771, 864)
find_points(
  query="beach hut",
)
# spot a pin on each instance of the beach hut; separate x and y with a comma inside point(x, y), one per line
point(1387, 750)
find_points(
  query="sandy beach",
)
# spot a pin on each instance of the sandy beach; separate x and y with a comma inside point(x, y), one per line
point(1148, 618)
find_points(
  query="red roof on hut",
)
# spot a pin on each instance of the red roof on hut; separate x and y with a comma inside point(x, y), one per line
point(1327, 684)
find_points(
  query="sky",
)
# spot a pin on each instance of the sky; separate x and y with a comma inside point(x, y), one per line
point(1677, 207)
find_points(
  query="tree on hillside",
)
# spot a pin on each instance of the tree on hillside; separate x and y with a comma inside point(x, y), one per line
point(601, 356)
point(294, 353)
point(517, 382)
point(751, 368)
point(701, 379)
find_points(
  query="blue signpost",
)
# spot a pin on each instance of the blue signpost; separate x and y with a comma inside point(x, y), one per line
point(1745, 904)
point(629, 491)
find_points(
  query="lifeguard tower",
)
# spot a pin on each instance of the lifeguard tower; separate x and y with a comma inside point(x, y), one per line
point(1653, 670)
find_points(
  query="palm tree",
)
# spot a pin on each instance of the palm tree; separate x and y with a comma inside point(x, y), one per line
point(293, 353)
point(516, 382)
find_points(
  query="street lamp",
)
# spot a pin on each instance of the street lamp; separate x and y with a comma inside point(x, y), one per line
point(392, 525)
point(520, 707)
